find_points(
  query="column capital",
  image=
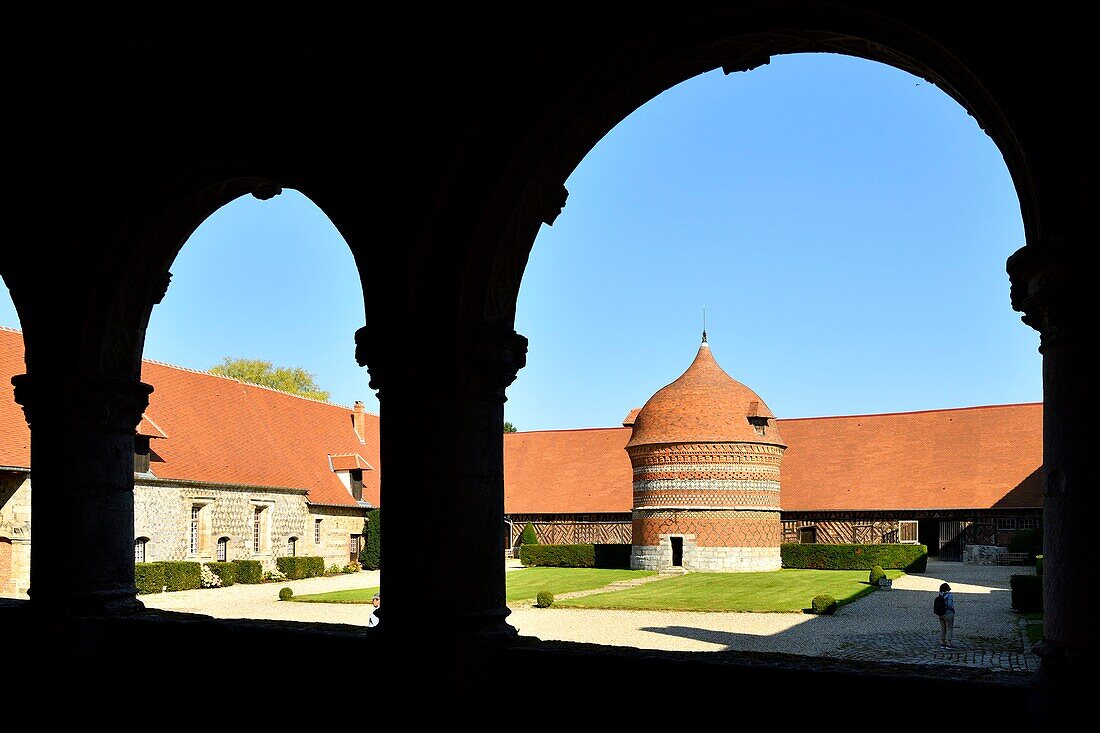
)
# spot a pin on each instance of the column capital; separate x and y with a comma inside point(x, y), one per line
point(1046, 289)
point(111, 405)
point(480, 360)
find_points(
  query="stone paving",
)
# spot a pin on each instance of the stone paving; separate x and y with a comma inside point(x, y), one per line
point(889, 626)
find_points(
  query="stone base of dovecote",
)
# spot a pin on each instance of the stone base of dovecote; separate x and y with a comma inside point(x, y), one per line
point(706, 559)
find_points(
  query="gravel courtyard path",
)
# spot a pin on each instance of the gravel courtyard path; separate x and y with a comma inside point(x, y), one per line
point(893, 626)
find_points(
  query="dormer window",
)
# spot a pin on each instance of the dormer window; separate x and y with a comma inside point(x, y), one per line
point(141, 454)
point(759, 423)
point(356, 475)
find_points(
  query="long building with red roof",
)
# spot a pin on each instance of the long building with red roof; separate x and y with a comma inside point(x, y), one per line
point(225, 469)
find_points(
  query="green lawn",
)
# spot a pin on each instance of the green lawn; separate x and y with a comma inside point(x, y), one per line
point(522, 584)
point(780, 591)
point(357, 595)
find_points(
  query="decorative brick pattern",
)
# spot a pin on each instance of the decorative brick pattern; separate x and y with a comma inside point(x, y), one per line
point(710, 528)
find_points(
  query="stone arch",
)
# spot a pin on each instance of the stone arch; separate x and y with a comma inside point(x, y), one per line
point(529, 189)
point(148, 242)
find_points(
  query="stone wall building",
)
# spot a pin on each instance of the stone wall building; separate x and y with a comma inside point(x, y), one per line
point(223, 471)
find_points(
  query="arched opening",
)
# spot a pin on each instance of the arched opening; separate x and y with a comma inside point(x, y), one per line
point(814, 206)
point(260, 420)
point(15, 524)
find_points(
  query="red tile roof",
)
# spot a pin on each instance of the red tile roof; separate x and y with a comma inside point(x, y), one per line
point(704, 404)
point(966, 458)
point(567, 471)
point(149, 428)
point(224, 431)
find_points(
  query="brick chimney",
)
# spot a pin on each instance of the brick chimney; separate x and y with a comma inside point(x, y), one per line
point(359, 420)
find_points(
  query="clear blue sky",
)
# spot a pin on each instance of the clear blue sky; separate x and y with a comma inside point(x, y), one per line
point(845, 224)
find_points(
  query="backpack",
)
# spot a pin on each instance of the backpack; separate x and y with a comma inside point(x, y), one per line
point(939, 606)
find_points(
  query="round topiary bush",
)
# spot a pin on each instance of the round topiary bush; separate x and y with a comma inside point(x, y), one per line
point(877, 573)
point(285, 594)
point(544, 599)
point(823, 604)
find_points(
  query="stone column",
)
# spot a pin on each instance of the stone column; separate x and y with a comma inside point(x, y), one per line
point(82, 495)
point(1049, 290)
point(442, 412)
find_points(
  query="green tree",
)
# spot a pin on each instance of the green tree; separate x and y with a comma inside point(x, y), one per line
point(287, 379)
point(509, 427)
point(528, 536)
point(370, 557)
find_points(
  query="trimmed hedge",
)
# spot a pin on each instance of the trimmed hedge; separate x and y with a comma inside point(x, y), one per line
point(149, 577)
point(249, 571)
point(612, 556)
point(182, 574)
point(1027, 593)
point(877, 573)
point(558, 556)
point(576, 556)
point(544, 599)
point(285, 594)
point(818, 556)
point(528, 536)
point(227, 571)
point(296, 568)
point(1029, 541)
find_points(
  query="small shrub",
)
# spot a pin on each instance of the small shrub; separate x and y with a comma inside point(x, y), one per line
point(823, 604)
point(352, 567)
point(249, 571)
point(1039, 565)
point(285, 594)
point(149, 577)
point(182, 575)
point(877, 573)
point(227, 571)
point(544, 599)
point(528, 536)
point(1027, 593)
point(333, 569)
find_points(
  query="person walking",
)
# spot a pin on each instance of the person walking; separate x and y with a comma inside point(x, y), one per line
point(944, 608)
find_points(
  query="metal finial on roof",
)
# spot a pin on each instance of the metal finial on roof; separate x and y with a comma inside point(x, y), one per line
point(704, 324)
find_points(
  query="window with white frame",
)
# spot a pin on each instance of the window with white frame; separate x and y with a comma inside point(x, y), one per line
point(291, 546)
point(196, 512)
point(257, 522)
point(317, 531)
point(139, 549)
point(1029, 523)
point(1006, 523)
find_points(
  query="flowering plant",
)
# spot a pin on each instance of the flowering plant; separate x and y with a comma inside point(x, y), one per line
point(209, 578)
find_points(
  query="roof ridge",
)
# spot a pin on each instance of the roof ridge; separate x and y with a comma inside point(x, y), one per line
point(568, 430)
point(913, 412)
point(247, 384)
point(9, 329)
